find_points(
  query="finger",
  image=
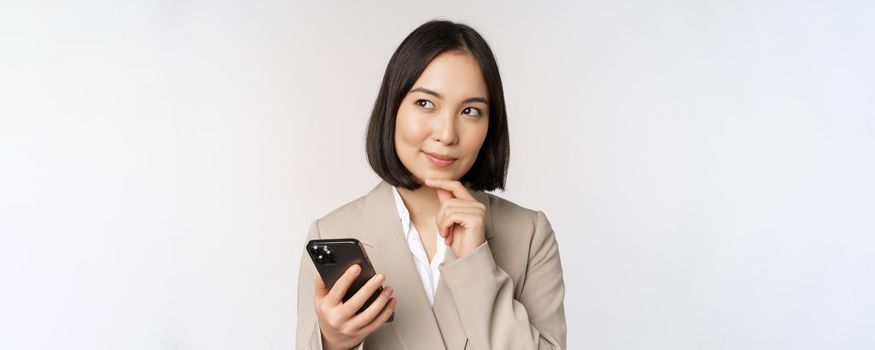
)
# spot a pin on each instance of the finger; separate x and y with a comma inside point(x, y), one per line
point(463, 219)
point(442, 231)
point(445, 211)
point(457, 205)
point(458, 190)
point(443, 194)
point(361, 296)
point(439, 219)
point(373, 310)
point(462, 203)
point(382, 318)
point(468, 209)
point(342, 285)
point(456, 187)
point(445, 227)
point(321, 290)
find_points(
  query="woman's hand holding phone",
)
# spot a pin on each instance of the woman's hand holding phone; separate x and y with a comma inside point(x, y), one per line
point(341, 327)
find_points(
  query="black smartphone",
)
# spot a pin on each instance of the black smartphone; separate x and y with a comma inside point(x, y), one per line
point(333, 257)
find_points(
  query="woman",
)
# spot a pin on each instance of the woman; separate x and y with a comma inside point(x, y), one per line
point(461, 269)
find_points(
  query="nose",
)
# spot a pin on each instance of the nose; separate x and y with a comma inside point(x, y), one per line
point(444, 128)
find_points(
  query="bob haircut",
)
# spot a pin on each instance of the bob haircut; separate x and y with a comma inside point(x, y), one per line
point(408, 62)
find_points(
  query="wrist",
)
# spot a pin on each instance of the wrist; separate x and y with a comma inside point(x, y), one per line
point(329, 345)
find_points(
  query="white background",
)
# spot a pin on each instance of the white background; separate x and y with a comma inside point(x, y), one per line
point(708, 166)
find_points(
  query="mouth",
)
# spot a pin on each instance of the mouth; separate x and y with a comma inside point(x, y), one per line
point(439, 160)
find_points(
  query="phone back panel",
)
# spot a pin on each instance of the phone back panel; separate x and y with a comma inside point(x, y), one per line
point(346, 251)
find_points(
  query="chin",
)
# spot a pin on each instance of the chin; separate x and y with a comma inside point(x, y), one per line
point(440, 175)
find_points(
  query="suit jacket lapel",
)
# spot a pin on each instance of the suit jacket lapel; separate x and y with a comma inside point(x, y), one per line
point(444, 305)
point(448, 318)
point(383, 237)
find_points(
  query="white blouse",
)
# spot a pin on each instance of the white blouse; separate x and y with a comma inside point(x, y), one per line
point(429, 274)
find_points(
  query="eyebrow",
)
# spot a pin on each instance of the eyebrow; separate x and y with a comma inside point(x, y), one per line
point(435, 94)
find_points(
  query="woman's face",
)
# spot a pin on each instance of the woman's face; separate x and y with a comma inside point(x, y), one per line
point(443, 119)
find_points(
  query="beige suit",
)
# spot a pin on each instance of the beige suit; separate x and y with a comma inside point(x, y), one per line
point(506, 294)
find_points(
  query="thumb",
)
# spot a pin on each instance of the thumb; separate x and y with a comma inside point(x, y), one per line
point(443, 194)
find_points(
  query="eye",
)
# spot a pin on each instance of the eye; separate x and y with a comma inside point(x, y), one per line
point(471, 111)
point(425, 103)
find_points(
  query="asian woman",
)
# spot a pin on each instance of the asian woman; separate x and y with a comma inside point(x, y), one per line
point(460, 268)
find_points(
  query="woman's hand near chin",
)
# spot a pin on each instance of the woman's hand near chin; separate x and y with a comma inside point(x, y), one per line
point(461, 218)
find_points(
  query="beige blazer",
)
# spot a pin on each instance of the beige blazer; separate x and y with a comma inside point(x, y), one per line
point(507, 294)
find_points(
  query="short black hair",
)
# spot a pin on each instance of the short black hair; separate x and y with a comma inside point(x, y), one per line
point(406, 65)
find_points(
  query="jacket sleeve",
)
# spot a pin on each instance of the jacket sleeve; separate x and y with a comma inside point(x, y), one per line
point(308, 336)
point(484, 294)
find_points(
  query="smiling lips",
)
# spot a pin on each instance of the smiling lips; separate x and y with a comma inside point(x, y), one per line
point(439, 160)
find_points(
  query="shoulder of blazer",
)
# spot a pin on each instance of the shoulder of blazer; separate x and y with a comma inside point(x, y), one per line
point(506, 218)
point(351, 211)
point(504, 208)
point(365, 217)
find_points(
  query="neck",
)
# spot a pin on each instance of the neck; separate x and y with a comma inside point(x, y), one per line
point(421, 203)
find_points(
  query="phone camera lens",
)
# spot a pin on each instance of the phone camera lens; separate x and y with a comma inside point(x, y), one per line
point(329, 255)
point(323, 254)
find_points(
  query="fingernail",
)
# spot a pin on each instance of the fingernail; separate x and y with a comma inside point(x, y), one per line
point(380, 277)
point(356, 268)
point(387, 291)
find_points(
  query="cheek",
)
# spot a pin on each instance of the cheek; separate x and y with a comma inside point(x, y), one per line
point(475, 138)
point(410, 131)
